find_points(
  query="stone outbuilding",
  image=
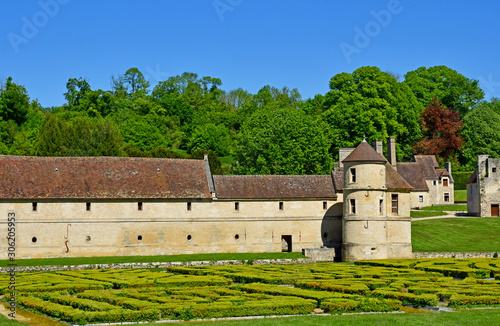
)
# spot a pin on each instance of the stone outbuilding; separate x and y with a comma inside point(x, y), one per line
point(483, 188)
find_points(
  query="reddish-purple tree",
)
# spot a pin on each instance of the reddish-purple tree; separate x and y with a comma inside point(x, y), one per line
point(441, 128)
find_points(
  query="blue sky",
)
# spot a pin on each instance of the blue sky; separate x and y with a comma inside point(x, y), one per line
point(246, 43)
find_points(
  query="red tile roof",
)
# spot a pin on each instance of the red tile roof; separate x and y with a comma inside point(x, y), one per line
point(101, 178)
point(273, 186)
point(412, 173)
point(473, 177)
point(429, 164)
point(364, 153)
point(394, 180)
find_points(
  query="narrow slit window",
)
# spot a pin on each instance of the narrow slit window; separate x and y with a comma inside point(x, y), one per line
point(325, 205)
point(139, 206)
point(394, 202)
point(353, 206)
point(353, 175)
point(381, 206)
point(280, 206)
point(236, 206)
point(434, 182)
point(34, 207)
point(189, 206)
point(87, 207)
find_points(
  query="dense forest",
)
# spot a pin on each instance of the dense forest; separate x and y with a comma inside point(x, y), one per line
point(432, 110)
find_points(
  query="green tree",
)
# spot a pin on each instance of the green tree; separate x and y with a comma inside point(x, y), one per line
point(372, 103)
point(132, 83)
point(481, 133)
point(211, 137)
point(283, 141)
point(14, 102)
point(452, 89)
point(76, 90)
point(51, 138)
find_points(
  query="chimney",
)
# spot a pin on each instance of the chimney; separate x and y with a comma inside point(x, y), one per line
point(378, 147)
point(447, 166)
point(391, 150)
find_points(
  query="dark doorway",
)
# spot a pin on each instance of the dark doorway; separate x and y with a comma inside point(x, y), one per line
point(494, 210)
point(286, 243)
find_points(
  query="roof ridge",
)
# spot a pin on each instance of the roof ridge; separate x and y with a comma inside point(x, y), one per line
point(108, 158)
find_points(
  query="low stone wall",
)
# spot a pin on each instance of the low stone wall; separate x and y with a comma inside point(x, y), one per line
point(453, 254)
point(156, 265)
point(320, 254)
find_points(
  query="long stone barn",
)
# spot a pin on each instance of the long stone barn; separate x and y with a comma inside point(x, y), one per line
point(113, 206)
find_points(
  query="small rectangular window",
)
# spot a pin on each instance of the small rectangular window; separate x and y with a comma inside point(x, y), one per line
point(87, 205)
point(281, 205)
point(325, 205)
point(445, 182)
point(353, 175)
point(434, 182)
point(493, 169)
point(394, 203)
point(236, 206)
point(381, 206)
point(35, 207)
point(446, 196)
point(139, 206)
point(421, 199)
point(353, 206)
point(189, 206)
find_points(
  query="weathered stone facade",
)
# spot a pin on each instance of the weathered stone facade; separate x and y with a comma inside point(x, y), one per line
point(77, 207)
point(483, 195)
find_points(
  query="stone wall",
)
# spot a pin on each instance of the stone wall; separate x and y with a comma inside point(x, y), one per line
point(156, 265)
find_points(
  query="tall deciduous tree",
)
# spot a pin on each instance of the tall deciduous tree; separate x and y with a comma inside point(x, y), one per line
point(372, 103)
point(441, 127)
point(14, 102)
point(452, 89)
point(283, 141)
point(132, 83)
point(77, 88)
point(481, 133)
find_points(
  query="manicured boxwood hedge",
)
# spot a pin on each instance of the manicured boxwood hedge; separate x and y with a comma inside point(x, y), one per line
point(94, 296)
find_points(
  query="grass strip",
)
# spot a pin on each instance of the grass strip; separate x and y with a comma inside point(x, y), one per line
point(420, 214)
point(440, 208)
point(153, 259)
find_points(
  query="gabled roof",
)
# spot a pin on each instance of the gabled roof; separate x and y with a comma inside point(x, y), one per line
point(394, 180)
point(428, 164)
point(273, 186)
point(101, 178)
point(473, 177)
point(364, 153)
point(412, 173)
point(338, 180)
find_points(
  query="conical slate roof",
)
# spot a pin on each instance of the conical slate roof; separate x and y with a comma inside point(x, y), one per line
point(364, 153)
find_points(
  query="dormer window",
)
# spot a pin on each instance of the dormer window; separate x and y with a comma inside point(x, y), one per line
point(445, 182)
point(353, 175)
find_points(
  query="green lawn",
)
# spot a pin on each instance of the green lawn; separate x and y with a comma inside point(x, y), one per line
point(457, 207)
point(153, 259)
point(456, 234)
point(418, 214)
point(465, 317)
point(461, 196)
point(4, 321)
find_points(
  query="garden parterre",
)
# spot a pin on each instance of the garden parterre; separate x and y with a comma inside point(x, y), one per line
point(93, 296)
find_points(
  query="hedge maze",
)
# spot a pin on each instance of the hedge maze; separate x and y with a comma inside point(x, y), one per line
point(99, 296)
